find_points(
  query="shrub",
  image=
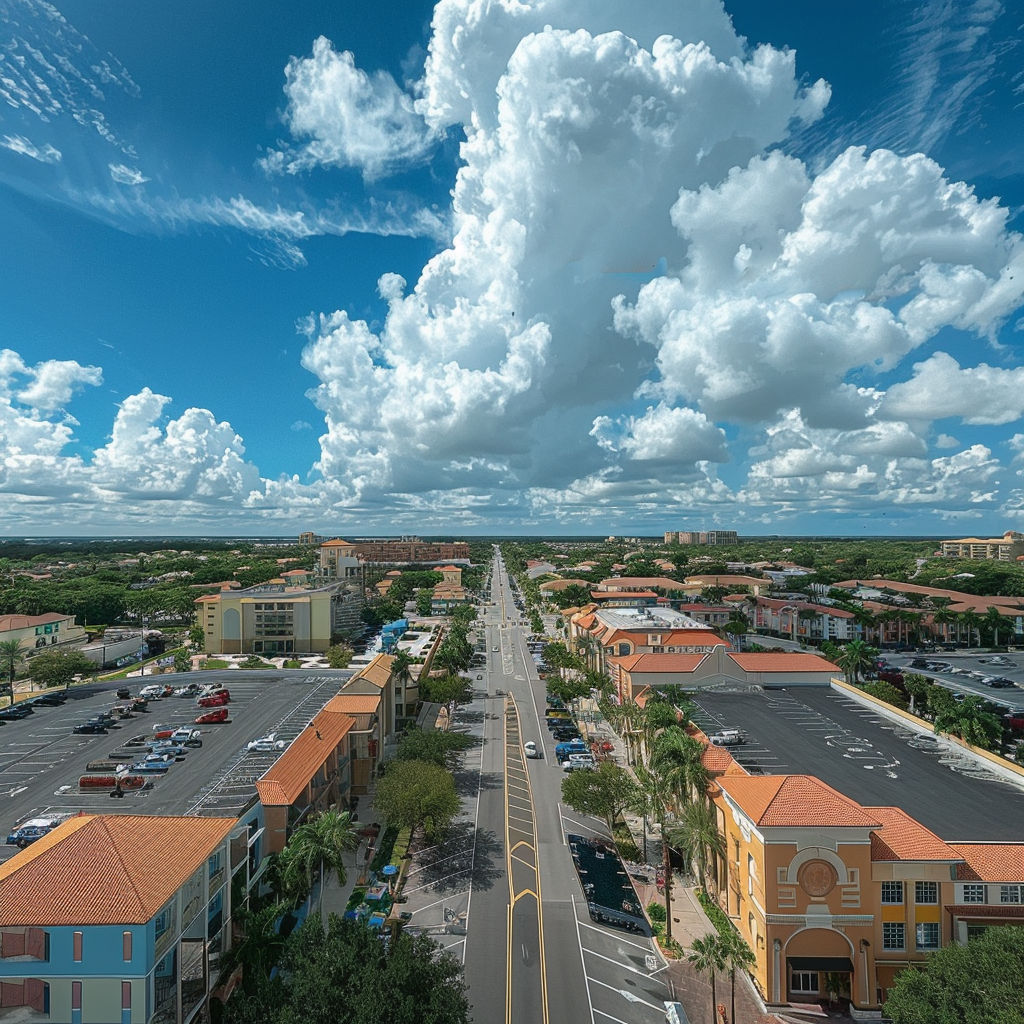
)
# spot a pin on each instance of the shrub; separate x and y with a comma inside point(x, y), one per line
point(716, 915)
point(656, 911)
point(628, 850)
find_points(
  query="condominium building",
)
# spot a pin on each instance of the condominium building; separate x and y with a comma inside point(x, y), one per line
point(707, 537)
point(410, 549)
point(1000, 549)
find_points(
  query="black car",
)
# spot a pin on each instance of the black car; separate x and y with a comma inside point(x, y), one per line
point(90, 728)
point(22, 710)
point(49, 700)
point(123, 693)
point(562, 735)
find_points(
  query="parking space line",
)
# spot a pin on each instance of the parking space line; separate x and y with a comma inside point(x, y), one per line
point(605, 932)
point(618, 1020)
point(635, 998)
point(586, 977)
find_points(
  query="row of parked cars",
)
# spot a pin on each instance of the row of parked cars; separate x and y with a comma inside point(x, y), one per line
point(985, 678)
point(24, 708)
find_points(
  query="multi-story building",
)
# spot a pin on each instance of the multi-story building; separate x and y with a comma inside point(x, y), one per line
point(410, 549)
point(708, 537)
point(118, 918)
point(274, 618)
point(1002, 549)
point(337, 560)
point(37, 633)
point(801, 620)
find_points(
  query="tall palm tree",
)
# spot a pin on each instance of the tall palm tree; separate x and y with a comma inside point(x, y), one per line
point(971, 620)
point(707, 957)
point(996, 620)
point(11, 655)
point(738, 956)
point(319, 844)
point(856, 657)
point(680, 759)
point(657, 798)
point(942, 617)
point(695, 833)
point(738, 624)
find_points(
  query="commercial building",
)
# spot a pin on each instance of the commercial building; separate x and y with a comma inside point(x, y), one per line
point(274, 618)
point(410, 549)
point(37, 633)
point(118, 918)
point(708, 537)
point(1001, 549)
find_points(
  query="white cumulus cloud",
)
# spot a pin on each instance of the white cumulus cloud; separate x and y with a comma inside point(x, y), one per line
point(45, 154)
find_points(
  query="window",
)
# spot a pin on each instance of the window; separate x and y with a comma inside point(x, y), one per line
point(1009, 893)
point(76, 945)
point(928, 935)
point(126, 995)
point(126, 946)
point(892, 892)
point(974, 894)
point(76, 995)
point(804, 981)
point(926, 892)
point(624, 649)
point(893, 935)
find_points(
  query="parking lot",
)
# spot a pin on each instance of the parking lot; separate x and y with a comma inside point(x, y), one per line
point(41, 760)
point(964, 670)
point(867, 757)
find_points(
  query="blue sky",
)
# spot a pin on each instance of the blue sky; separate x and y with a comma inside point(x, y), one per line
point(645, 268)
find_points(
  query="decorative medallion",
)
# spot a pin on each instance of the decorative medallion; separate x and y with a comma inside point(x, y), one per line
point(817, 878)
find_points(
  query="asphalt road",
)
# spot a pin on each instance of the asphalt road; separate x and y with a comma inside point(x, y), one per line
point(560, 968)
point(970, 661)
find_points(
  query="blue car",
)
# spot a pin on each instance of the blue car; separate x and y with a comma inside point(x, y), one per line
point(29, 833)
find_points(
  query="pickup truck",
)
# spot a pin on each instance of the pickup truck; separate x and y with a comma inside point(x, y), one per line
point(563, 750)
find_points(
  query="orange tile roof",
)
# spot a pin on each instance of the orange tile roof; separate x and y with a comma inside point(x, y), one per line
point(903, 838)
point(641, 696)
point(660, 662)
point(795, 800)
point(378, 671)
point(105, 869)
point(354, 703)
point(783, 663)
point(990, 862)
point(283, 783)
point(615, 595)
point(716, 759)
point(726, 580)
point(640, 583)
point(336, 544)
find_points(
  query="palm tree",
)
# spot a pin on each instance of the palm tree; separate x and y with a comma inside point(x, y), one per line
point(738, 624)
point(738, 955)
point(679, 758)
point(259, 950)
point(657, 797)
point(707, 957)
point(971, 620)
point(11, 655)
point(969, 720)
point(856, 657)
point(996, 620)
point(697, 837)
point(320, 844)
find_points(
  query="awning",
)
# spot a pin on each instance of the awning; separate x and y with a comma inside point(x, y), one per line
point(826, 964)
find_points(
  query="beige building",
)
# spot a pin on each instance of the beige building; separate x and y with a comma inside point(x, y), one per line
point(275, 619)
point(38, 632)
point(1000, 549)
point(337, 560)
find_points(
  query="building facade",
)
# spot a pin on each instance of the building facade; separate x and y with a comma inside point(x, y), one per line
point(1001, 549)
point(411, 549)
point(37, 633)
point(118, 918)
point(708, 537)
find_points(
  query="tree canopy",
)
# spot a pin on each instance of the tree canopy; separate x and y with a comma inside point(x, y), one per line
point(604, 792)
point(440, 748)
point(58, 668)
point(414, 793)
point(973, 984)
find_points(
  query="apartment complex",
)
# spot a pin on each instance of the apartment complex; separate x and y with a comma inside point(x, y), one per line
point(1000, 549)
point(711, 538)
point(410, 549)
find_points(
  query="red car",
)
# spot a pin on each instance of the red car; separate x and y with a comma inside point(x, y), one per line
point(217, 700)
point(213, 717)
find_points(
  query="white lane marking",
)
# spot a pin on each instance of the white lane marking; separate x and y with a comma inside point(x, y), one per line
point(606, 933)
point(625, 967)
point(586, 977)
point(619, 1020)
point(634, 999)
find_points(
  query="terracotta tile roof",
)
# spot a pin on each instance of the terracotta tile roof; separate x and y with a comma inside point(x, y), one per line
point(105, 869)
point(903, 838)
point(660, 662)
point(640, 583)
point(336, 544)
point(586, 621)
point(378, 671)
point(614, 595)
point(716, 759)
point(641, 696)
point(783, 663)
point(354, 703)
point(284, 782)
point(24, 621)
point(795, 800)
point(728, 581)
point(990, 862)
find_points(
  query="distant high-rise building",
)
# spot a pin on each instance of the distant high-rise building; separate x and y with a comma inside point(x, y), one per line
point(709, 537)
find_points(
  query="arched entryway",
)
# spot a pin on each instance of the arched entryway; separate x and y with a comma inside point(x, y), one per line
point(818, 965)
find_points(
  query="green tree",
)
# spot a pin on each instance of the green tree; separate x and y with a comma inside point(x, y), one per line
point(707, 957)
point(260, 948)
point(417, 793)
point(11, 656)
point(976, 983)
point(424, 599)
point(182, 662)
point(604, 792)
point(995, 620)
point(856, 657)
point(339, 656)
point(695, 834)
point(58, 668)
point(656, 798)
point(969, 720)
point(971, 621)
point(319, 845)
point(446, 690)
point(197, 637)
point(738, 957)
point(433, 745)
point(882, 690)
point(918, 687)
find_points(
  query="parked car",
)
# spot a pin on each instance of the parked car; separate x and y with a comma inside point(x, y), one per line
point(123, 693)
point(29, 831)
point(90, 729)
point(267, 743)
point(578, 762)
point(152, 690)
point(125, 710)
point(217, 700)
point(188, 690)
point(212, 717)
point(566, 732)
point(55, 699)
point(15, 711)
point(187, 737)
point(150, 768)
point(214, 690)
point(531, 749)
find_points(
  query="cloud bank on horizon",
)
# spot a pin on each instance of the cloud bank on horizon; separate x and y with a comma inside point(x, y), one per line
point(646, 308)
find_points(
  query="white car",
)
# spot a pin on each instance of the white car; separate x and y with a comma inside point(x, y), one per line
point(266, 744)
point(579, 762)
point(531, 750)
point(153, 690)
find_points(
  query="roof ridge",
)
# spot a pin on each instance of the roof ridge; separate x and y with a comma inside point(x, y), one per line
point(140, 902)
